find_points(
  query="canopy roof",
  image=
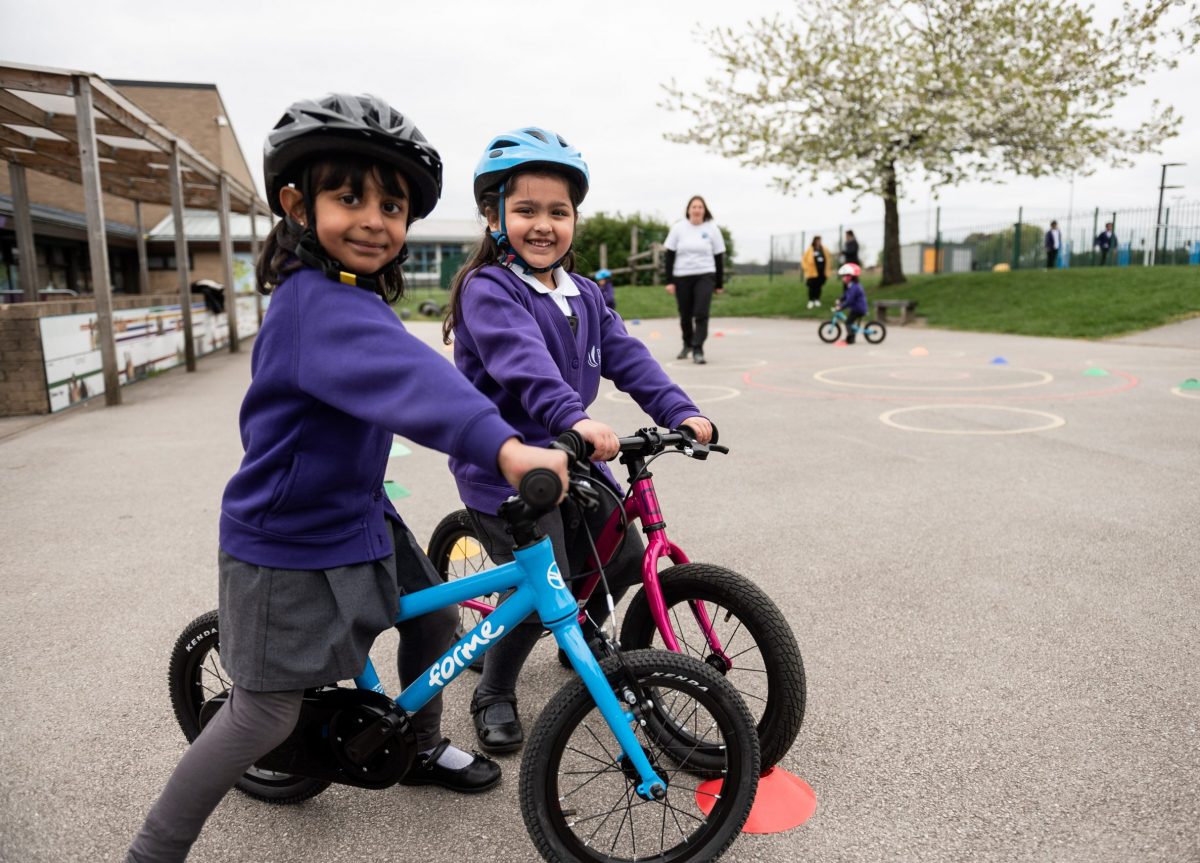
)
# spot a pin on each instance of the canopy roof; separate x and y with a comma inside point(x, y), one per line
point(38, 129)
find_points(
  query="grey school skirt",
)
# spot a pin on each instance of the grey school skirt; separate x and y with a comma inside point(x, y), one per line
point(287, 629)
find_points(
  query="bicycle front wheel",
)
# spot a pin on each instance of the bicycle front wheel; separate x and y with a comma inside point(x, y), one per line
point(829, 332)
point(874, 332)
point(456, 552)
point(197, 679)
point(578, 791)
point(758, 652)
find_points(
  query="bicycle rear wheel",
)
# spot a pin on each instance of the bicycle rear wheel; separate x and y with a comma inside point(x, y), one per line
point(829, 332)
point(874, 332)
point(197, 680)
point(577, 789)
point(456, 552)
point(764, 666)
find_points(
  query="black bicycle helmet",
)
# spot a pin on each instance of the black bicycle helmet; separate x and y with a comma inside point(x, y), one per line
point(341, 123)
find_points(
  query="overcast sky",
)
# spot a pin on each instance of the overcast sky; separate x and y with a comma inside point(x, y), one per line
point(465, 70)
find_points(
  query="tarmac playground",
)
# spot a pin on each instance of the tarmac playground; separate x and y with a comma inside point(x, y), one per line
point(986, 546)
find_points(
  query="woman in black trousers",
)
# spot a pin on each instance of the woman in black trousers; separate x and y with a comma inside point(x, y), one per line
point(695, 258)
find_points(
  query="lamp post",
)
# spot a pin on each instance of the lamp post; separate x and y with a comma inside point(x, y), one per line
point(1162, 187)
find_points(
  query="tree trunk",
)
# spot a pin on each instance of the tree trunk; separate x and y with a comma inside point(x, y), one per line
point(893, 273)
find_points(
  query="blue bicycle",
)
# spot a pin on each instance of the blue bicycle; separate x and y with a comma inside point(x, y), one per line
point(614, 765)
point(834, 328)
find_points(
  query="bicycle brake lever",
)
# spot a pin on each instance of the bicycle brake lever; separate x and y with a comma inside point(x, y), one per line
point(584, 494)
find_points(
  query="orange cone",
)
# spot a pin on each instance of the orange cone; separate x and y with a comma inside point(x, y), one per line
point(783, 801)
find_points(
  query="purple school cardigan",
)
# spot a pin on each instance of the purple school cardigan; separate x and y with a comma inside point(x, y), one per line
point(334, 375)
point(516, 346)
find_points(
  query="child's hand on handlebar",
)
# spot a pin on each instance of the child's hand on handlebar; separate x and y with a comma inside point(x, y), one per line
point(604, 441)
point(515, 459)
point(701, 427)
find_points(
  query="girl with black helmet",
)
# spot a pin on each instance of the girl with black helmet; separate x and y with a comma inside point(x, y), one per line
point(313, 555)
point(536, 338)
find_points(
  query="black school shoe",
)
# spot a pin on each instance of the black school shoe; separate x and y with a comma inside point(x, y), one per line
point(496, 737)
point(480, 775)
point(684, 354)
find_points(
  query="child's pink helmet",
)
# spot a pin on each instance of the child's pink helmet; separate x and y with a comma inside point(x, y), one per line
point(850, 270)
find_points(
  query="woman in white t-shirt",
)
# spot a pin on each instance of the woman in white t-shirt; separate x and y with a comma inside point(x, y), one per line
point(695, 253)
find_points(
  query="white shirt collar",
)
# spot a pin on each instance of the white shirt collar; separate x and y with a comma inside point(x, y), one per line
point(564, 285)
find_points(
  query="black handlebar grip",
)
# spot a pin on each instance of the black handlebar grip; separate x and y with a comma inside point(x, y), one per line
point(540, 488)
point(574, 445)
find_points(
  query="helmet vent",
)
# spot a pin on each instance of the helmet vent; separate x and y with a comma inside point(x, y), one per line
point(534, 133)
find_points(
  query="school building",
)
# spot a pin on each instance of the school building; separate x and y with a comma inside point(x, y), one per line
point(146, 183)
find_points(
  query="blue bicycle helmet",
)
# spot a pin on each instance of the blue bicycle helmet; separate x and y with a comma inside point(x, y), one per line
point(601, 275)
point(530, 147)
point(525, 148)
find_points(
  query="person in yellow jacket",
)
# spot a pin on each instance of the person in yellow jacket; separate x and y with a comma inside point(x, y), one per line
point(814, 263)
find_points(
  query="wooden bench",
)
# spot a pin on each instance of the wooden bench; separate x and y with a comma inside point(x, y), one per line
point(906, 307)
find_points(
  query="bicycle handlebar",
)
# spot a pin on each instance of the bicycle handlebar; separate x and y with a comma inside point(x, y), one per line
point(540, 488)
point(646, 442)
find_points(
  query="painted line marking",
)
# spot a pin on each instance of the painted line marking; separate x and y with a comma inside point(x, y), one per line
point(823, 376)
point(1053, 421)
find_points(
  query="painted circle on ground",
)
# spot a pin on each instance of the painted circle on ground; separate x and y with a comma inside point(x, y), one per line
point(929, 373)
point(696, 391)
point(1028, 420)
point(828, 376)
point(934, 354)
point(1186, 394)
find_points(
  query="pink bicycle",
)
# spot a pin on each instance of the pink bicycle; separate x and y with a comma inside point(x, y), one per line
point(700, 610)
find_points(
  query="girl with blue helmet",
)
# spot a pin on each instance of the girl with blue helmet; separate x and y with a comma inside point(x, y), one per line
point(605, 283)
point(535, 338)
point(313, 556)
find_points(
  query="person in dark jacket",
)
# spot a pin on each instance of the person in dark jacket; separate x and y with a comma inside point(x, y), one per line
point(313, 556)
point(1105, 241)
point(1053, 243)
point(536, 339)
point(850, 250)
point(853, 299)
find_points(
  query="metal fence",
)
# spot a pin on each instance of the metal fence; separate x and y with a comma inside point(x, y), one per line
point(935, 241)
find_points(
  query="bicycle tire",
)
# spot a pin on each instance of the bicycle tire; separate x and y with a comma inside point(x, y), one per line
point(874, 332)
point(772, 684)
point(566, 785)
point(456, 552)
point(829, 332)
point(196, 676)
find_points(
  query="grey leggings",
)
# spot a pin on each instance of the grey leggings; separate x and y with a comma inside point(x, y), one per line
point(564, 526)
point(249, 726)
point(253, 723)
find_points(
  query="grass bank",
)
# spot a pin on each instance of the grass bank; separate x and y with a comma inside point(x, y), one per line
point(1083, 303)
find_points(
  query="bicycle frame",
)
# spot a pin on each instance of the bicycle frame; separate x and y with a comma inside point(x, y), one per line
point(641, 504)
point(537, 585)
point(840, 316)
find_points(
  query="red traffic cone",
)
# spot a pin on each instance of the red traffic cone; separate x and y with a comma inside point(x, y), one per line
point(783, 801)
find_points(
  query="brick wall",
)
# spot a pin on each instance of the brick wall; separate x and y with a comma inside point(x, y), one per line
point(22, 365)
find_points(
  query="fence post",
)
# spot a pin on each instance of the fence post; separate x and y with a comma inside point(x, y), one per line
point(1016, 265)
point(604, 256)
point(937, 241)
point(1116, 242)
point(633, 248)
point(771, 259)
point(1166, 242)
point(1095, 227)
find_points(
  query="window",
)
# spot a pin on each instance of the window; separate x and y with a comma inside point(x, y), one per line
point(166, 262)
point(422, 259)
